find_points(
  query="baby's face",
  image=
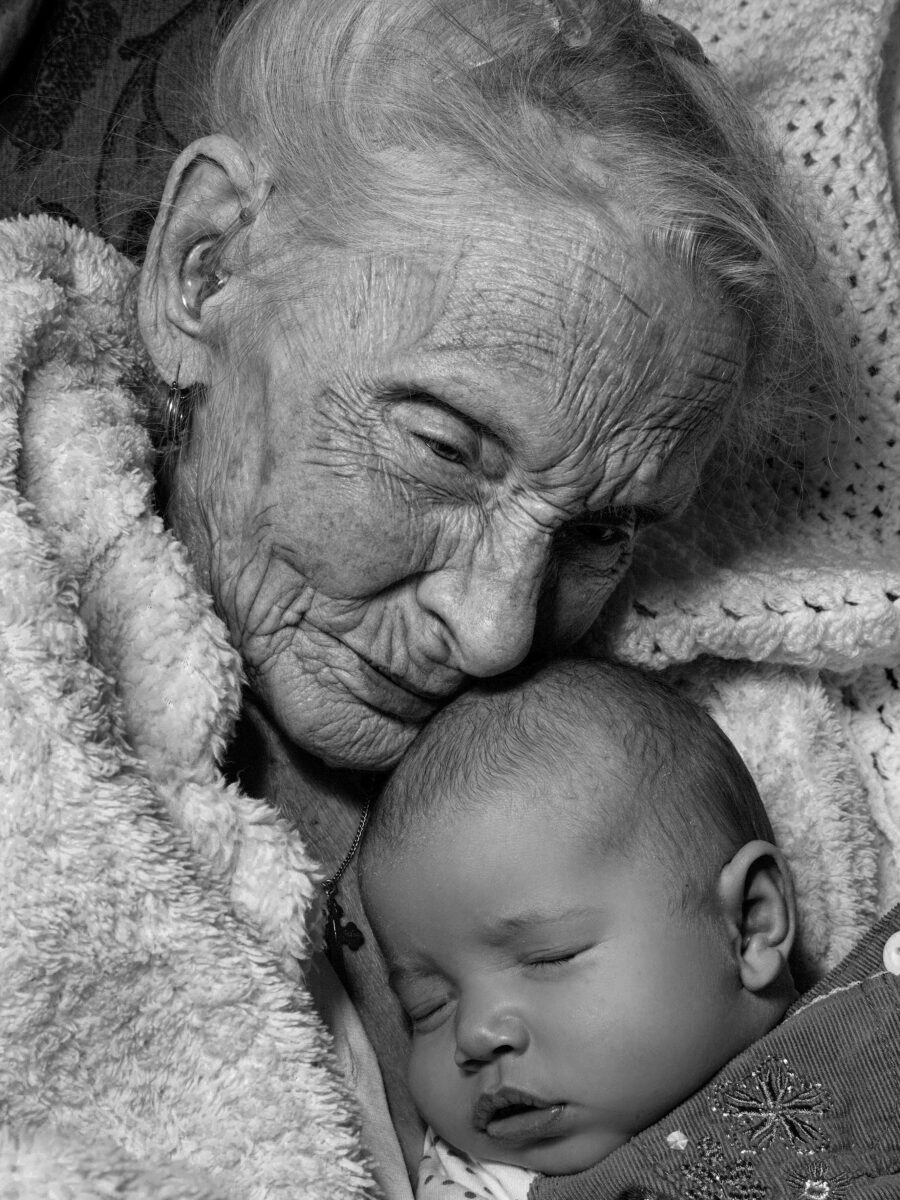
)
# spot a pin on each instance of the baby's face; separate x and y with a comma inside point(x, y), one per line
point(557, 1006)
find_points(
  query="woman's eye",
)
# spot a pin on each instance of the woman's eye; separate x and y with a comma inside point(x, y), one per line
point(434, 428)
point(444, 450)
point(607, 533)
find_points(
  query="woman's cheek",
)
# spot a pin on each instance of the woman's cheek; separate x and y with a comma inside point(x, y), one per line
point(357, 535)
point(584, 583)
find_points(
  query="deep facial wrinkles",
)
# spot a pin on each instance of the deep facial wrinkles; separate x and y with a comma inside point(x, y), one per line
point(553, 362)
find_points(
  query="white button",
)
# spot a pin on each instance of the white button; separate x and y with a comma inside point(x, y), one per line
point(891, 954)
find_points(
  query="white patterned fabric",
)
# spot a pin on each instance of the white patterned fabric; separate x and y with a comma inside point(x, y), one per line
point(448, 1174)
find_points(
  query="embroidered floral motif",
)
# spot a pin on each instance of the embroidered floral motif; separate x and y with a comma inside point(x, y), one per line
point(818, 1181)
point(708, 1175)
point(775, 1104)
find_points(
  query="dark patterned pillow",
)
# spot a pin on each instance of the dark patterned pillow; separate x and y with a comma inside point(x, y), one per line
point(97, 100)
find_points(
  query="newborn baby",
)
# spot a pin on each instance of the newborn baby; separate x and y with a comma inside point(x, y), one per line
point(584, 916)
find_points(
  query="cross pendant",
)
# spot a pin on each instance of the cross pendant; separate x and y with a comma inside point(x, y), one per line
point(339, 933)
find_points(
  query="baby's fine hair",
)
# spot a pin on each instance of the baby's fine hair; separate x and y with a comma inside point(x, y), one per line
point(334, 96)
point(580, 723)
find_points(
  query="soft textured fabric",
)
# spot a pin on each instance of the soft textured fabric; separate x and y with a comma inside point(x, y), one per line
point(809, 1111)
point(447, 1174)
point(154, 1040)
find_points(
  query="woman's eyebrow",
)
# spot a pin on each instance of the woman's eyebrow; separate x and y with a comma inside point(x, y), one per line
point(392, 393)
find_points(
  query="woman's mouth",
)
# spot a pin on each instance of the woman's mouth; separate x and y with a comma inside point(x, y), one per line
point(512, 1116)
point(388, 692)
point(430, 697)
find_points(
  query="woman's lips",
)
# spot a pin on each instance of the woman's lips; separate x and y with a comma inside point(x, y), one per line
point(430, 697)
point(512, 1116)
point(387, 692)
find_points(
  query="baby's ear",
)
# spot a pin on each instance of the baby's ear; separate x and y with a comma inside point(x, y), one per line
point(757, 897)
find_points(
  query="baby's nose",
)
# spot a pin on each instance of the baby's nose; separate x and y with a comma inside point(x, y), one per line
point(482, 1040)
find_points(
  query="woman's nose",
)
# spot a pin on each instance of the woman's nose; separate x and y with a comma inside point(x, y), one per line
point(485, 1036)
point(485, 599)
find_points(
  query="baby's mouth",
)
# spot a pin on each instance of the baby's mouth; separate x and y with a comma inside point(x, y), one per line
point(511, 1115)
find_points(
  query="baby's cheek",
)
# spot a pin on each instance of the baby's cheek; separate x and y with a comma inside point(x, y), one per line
point(418, 1072)
point(431, 1082)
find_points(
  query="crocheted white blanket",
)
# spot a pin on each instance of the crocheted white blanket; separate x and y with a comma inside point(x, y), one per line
point(813, 594)
point(818, 589)
point(154, 1039)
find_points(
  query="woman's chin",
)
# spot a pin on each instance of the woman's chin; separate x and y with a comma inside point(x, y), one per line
point(380, 756)
point(363, 741)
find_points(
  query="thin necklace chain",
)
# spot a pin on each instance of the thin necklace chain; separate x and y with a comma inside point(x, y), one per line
point(330, 884)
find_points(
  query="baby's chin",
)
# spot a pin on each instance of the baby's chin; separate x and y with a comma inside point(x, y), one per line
point(565, 1155)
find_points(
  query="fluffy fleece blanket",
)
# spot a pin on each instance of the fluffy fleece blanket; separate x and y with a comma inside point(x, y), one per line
point(155, 1037)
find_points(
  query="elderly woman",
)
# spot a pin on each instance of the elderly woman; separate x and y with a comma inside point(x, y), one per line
point(446, 309)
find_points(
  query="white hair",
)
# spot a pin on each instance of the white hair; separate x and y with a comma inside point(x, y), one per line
point(337, 97)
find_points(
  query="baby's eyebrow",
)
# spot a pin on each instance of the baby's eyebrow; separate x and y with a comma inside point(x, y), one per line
point(531, 918)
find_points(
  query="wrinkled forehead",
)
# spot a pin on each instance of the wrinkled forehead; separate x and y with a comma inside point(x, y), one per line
point(572, 305)
point(589, 325)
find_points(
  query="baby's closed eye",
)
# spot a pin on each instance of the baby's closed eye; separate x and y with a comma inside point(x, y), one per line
point(549, 959)
point(429, 1020)
point(425, 1002)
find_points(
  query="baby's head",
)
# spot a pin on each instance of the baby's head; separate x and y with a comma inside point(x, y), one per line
point(573, 880)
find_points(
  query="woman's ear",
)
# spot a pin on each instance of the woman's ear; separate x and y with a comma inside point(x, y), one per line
point(756, 893)
point(209, 186)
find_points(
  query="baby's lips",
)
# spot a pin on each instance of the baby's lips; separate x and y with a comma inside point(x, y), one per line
point(503, 1100)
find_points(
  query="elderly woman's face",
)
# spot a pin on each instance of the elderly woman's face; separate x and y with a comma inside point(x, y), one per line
point(435, 465)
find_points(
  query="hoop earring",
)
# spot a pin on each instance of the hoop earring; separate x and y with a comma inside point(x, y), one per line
point(179, 411)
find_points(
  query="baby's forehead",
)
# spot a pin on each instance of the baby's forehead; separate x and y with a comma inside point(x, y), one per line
point(588, 797)
point(501, 867)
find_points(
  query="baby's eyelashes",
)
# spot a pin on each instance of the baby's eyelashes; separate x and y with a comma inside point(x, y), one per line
point(556, 957)
point(427, 1016)
point(422, 997)
point(556, 960)
point(428, 1022)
